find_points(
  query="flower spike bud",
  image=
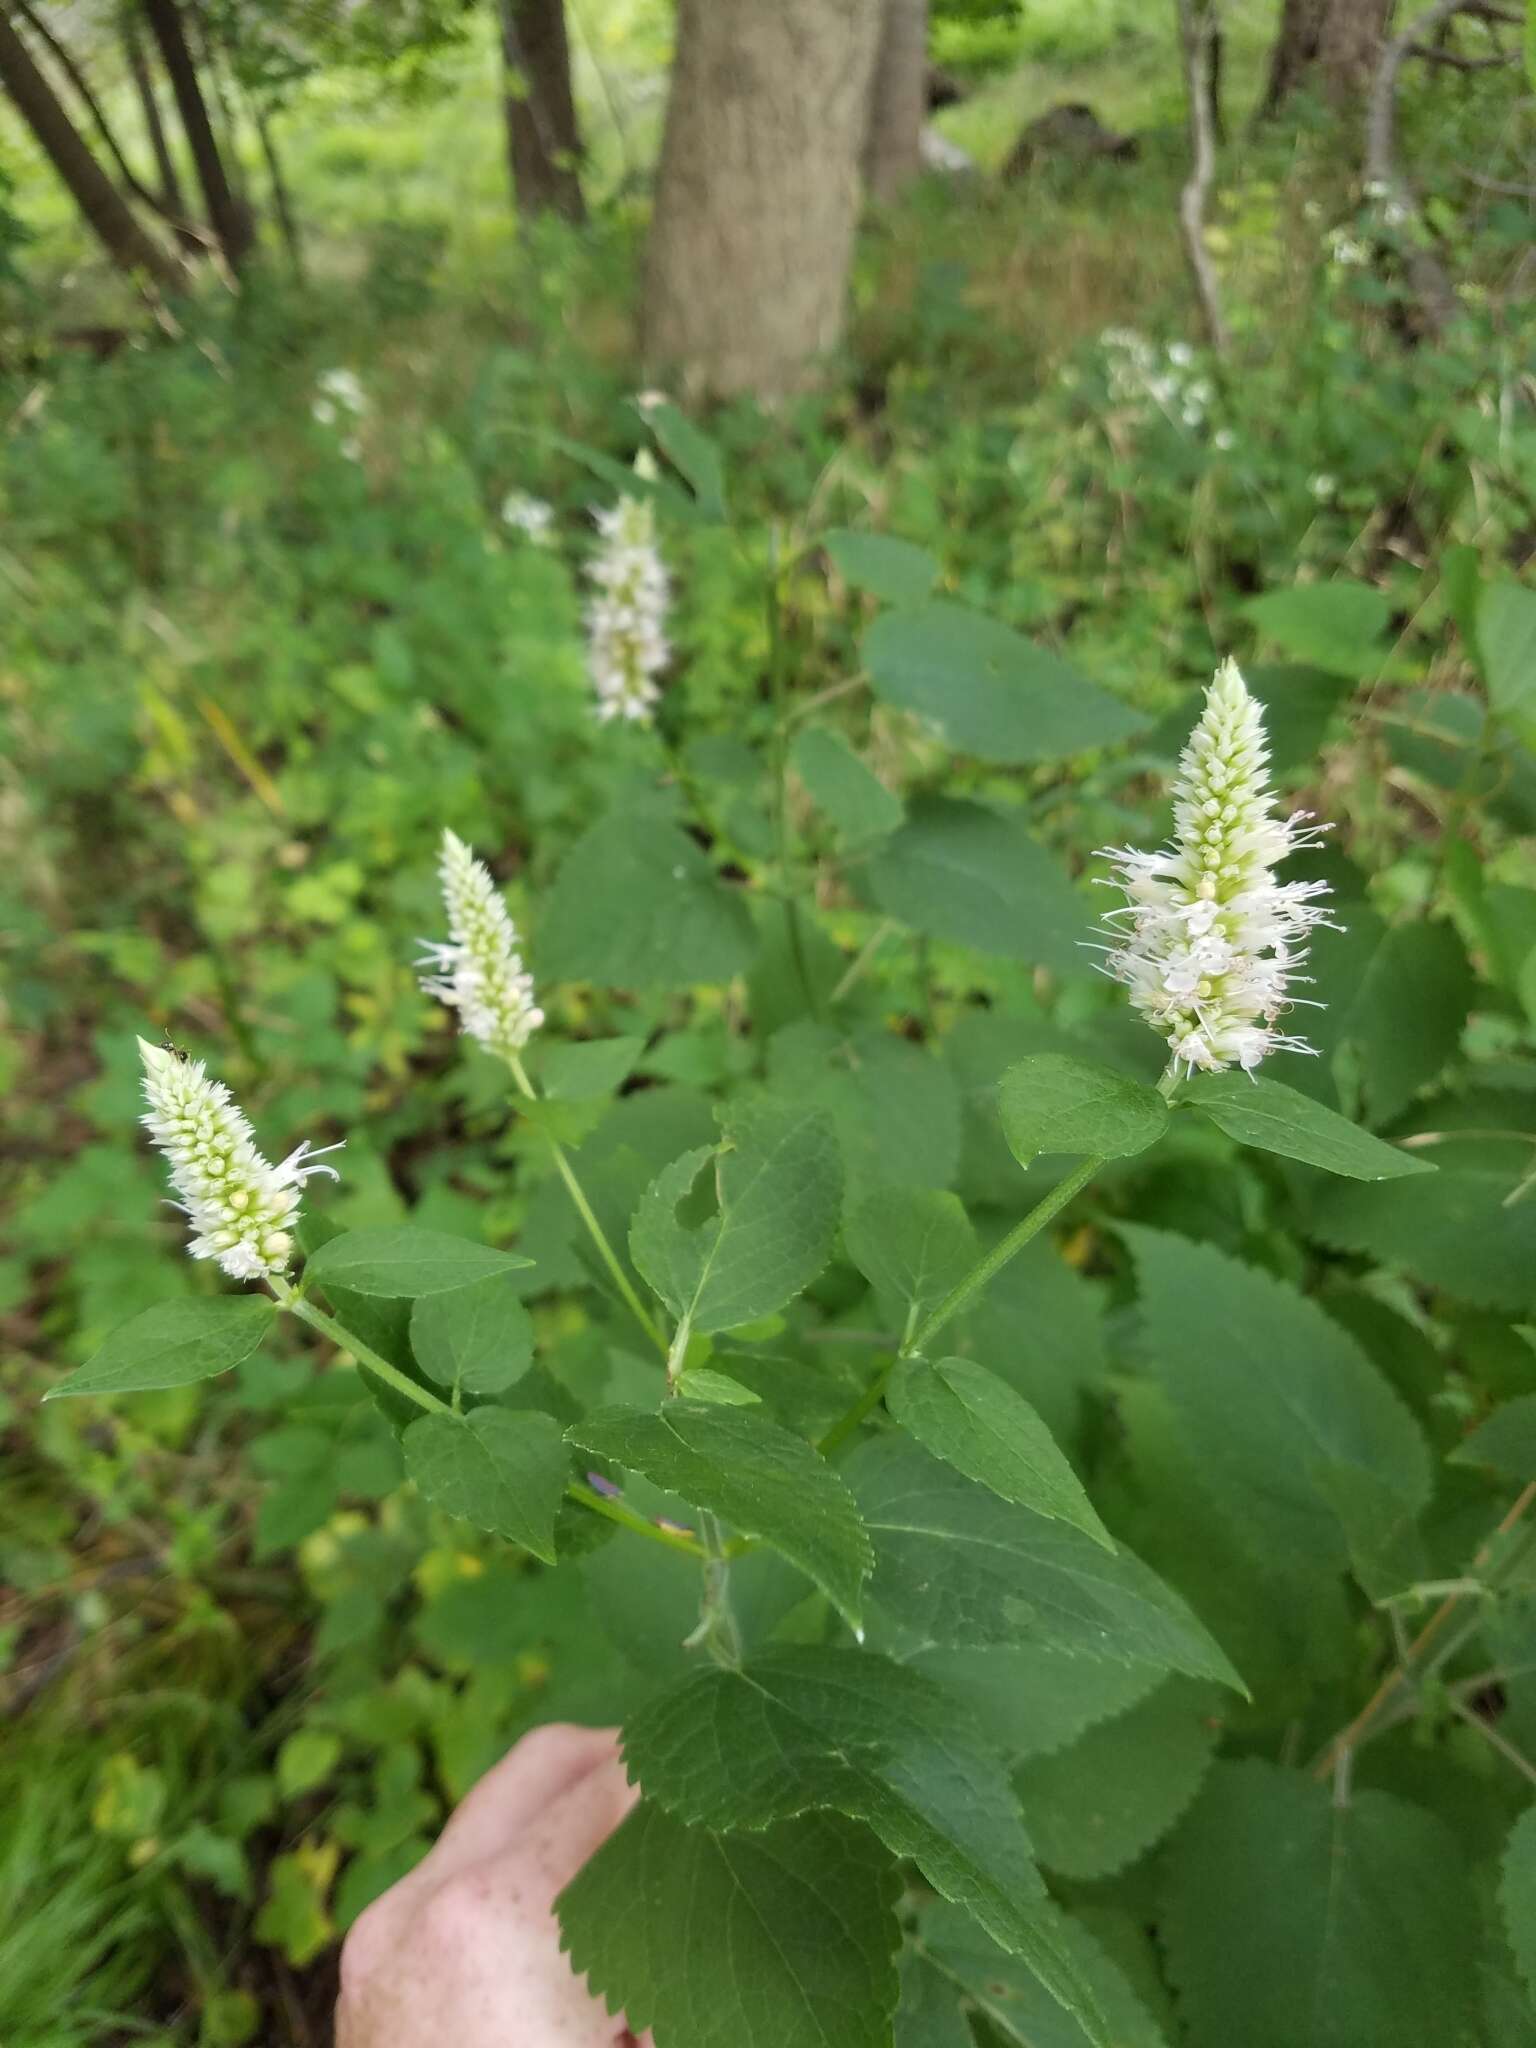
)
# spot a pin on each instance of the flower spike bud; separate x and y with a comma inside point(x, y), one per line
point(478, 970)
point(1208, 941)
point(626, 642)
point(241, 1208)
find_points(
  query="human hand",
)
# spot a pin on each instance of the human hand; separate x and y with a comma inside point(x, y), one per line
point(466, 1948)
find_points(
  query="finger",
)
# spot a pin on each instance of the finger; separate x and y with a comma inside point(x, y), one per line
point(498, 1812)
point(570, 1830)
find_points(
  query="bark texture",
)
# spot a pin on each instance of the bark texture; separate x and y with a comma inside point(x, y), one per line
point(1335, 43)
point(229, 219)
point(543, 140)
point(104, 208)
point(898, 100)
point(758, 190)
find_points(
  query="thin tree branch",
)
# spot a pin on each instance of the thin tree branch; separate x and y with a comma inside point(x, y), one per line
point(1431, 284)
point(87, 98)
point(1197, 29)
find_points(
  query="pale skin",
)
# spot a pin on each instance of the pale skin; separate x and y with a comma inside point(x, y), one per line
point(466, 1949)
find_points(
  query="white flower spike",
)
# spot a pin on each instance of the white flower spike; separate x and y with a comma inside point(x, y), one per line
point(1208, 941)
point(626, 642)
point(241, 1208)
point(479, 971)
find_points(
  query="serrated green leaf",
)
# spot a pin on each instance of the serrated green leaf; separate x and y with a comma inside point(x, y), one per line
point(912, 1245)
point(1506, 1441)
point(1451, 1230)
point(1053, 1103)
point(735, 1463)
point(976, 1422)
point(1292, 1916)
point(1268, 1389)
point(1334, 626)
point(1030, 1698)
point(1101, 1804)
point(1015, 2007)
point(1506, 635)
point(779, 1186)
point(839, 784)
point(860, 1081)
point(1517, 1896)
point(957, 1565)
point(987, 690)
point(173, 1345)
point(502, 1470)
point(898, 571)
point(1268, 1115)
point(636, 904)
point(477, 1338)
point(701, 1384)
point(780, 1939)
point(405, 1263)
point(808, 1728)
point(972, 875)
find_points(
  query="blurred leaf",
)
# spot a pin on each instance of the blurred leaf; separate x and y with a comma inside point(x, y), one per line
point(636, 904)
point(972, 875)
point(896, 571)
point(1334, 626)
point(839, 784)
point(173, 1345)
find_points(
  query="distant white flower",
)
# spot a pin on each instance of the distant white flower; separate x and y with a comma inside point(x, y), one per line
point(1345, 250)
point(340, 394)
point(241, 1208)
point(649, 400)
point(626, 642)
point(528, 515)
point(1322, 486)
point(1224, 439)
point(1139, 370)
point(478, 970)
point(1208, 941)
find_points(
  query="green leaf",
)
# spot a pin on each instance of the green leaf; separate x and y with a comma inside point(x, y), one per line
point(173, 1345)
point(405, 1263)
point(1413, 970)
point(1449, 1230)
point(781, 1939)
point(692, 453)
point(1052, 1103)
point(1334, 626)
point(1101, 1804)
point(1291, 1916)
point(1506, 1441)
point(838, 783)
point(1517, 1896)
point(306, 1760)
point(1031, 1698)
point(987, 690)
point(898, 571)
point(955, 1564)
point(636, 904)
point(699, 1383)
point(972, 875)
point(806, 1728)
point(912, 1245)
point(734, 1463)
point(586, 1070)
point(502, 1470)
point(779, 1187)
point(976, 1422)
point(1266, 1114)
point(929, 2014)
point(476, 1338)
point(1506, 634)
point(1015, 2008)
point(1269, 1390)
point(860, 1080)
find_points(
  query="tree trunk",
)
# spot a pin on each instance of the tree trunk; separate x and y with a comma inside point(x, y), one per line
point(1349, 49)
point(154, 126)
point(103, 206)
point(543, 140)
point(230, 221)
point(1339, 40)
point(898, 100)
point(757, 194)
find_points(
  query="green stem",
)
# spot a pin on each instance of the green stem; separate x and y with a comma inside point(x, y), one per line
point(866, 1404)
point(595, 1230)
point(343, 1339)
point(615, 1511)
point(776, 685)
point(992, 1264)
point(717, 1631)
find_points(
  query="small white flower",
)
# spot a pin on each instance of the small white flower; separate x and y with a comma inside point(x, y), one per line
point(241, 1208)
point(1345, 250)
point(1322, 486)
point(626, 641)
point(343, 389)
point(1208, 941)
point(529, 515)
point(479, 971)
point(1224, 439)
